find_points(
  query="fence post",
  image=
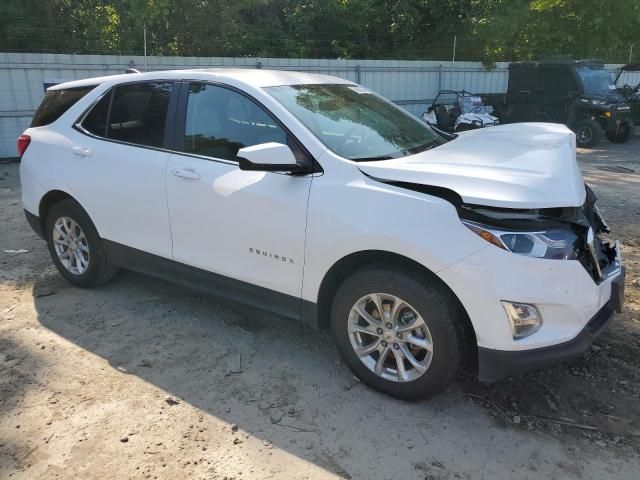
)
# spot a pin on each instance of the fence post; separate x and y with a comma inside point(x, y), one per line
point(358, 73)
point(439, 77)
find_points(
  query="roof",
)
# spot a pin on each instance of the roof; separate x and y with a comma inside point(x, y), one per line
point(248, 76)
point(535, 63)
point(631, 67)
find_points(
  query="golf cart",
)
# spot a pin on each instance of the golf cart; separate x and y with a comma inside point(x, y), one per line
point(457, 111)
point(629, 92)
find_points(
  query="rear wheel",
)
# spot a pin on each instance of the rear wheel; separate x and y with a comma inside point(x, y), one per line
point(588, 133)
point(75, 247)
point(620, 134)
point(398, 332)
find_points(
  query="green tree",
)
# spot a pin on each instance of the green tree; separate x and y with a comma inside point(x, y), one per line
point(486, 30)
point(526, 29)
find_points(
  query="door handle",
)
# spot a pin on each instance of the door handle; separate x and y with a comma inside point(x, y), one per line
point(81, 151)
point(186, 173)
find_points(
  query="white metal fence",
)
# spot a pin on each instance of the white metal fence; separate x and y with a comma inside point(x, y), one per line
point(411, 84)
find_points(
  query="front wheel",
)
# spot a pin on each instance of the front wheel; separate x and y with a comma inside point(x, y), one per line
point(588, 133)
point(76, 247)
point(620, 134)
point(398, 332)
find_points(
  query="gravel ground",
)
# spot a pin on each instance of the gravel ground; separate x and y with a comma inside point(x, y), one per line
point(141, 379)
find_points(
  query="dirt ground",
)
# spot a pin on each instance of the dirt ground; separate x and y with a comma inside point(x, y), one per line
point(141, 379)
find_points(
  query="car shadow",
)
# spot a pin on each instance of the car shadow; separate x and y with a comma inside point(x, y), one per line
point(19, 368)
point(277, 380)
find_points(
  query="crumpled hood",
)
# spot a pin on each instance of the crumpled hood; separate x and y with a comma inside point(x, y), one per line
point(520, 165)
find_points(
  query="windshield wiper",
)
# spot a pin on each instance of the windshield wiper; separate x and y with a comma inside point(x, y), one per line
point(372, 159)
point(425, 147)
point(412, 151)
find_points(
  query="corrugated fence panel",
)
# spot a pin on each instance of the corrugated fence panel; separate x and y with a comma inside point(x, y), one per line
point(411, 84)
point(629, 78)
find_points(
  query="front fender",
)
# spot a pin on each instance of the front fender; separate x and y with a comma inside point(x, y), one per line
point(363, 214)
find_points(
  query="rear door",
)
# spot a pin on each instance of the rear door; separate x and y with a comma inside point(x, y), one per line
point(244, 225)
point(119, 163)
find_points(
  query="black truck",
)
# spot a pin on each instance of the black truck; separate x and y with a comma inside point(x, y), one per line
point(578, 93)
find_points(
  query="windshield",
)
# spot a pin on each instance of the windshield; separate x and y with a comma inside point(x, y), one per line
point(474, 105)
point(354, 123)
point(596, 81)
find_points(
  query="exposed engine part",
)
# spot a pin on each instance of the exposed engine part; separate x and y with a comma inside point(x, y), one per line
point(596, 255)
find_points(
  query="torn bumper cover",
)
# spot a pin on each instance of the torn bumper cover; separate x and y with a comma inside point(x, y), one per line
point(577, 297)
point(494, 365)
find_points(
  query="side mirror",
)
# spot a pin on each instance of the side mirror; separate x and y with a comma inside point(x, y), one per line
point(269, 157)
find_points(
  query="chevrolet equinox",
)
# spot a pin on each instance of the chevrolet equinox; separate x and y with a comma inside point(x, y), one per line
point(317, 199)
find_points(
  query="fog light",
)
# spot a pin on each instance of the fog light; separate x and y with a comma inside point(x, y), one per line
point(524, 318)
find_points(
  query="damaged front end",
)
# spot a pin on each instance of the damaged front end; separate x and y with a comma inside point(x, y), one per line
point(558, 233)
point(567, 233)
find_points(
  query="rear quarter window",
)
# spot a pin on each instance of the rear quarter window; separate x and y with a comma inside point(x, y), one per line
point(56, 103)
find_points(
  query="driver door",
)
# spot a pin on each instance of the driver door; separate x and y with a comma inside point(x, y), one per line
point(244, 225)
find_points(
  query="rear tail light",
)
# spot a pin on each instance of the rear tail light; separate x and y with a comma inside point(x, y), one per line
point(23, 143)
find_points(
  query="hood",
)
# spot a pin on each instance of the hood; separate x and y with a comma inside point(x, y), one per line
point(520, 165)
point(481, 117)
point(612, 98)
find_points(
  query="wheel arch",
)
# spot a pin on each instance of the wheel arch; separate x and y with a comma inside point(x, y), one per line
point(344, 267)
point(48, 200)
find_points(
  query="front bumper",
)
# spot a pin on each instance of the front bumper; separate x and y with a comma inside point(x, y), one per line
point(617, 117)
point(496, 364)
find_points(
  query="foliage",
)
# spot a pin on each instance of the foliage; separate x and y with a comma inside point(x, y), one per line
point(488, 30)
point(526, 29)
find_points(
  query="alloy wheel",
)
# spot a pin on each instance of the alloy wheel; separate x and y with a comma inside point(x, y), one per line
point(390, 337)
point(71, 246)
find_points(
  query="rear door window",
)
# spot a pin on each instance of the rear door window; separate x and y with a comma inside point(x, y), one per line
point(56, 103)
point(138, 113)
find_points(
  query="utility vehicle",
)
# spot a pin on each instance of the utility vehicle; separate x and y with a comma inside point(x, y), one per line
point(631, 93)
point(579, 94)
point(457, 111)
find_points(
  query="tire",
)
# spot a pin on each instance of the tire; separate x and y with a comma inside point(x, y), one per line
point(621, 134)
point(588, 134)
point(422, 295)
point(94, 268)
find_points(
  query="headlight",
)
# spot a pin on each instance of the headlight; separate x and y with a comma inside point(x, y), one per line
point(552, 244)
point(598, 103)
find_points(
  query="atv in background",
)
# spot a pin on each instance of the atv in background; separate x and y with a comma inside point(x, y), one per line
point(580, 94)
point(630, 93)
point(454, 111)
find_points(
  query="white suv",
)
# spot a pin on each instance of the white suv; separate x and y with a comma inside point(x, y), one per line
point(315, 198)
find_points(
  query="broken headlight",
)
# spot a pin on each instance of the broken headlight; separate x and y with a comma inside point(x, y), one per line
point(554, 243)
